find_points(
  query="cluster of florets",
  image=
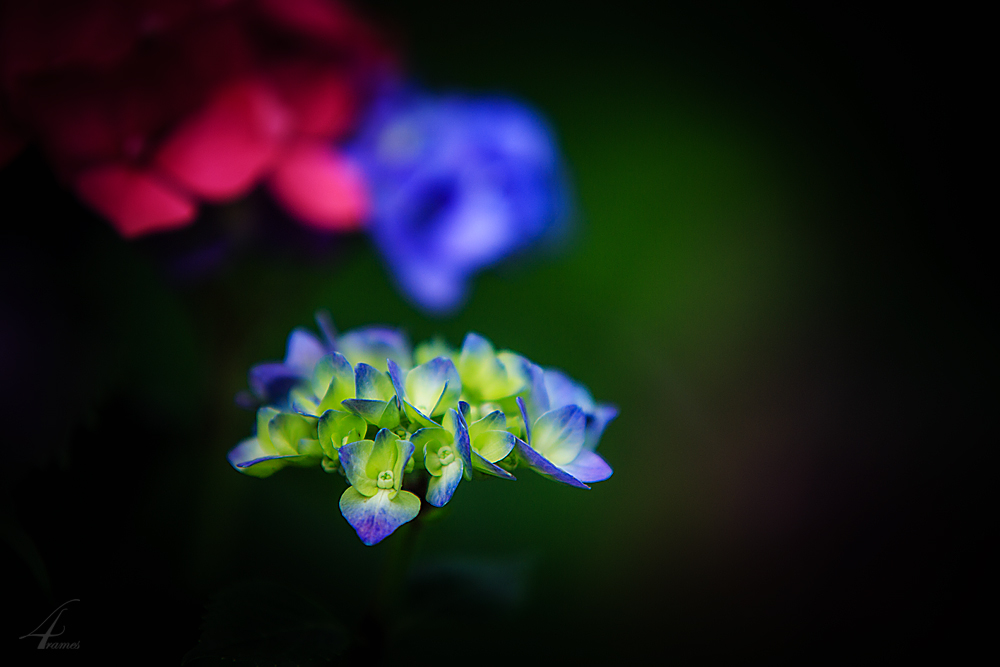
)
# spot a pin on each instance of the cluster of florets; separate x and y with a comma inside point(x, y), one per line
point(402, 423)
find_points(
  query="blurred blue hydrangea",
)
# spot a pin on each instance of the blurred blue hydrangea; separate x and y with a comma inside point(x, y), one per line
point(458, 184)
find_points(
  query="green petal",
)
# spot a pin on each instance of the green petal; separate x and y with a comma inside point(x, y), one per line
point(333, 371)
point(494, 445)
point(303, 400)
point(432, 349)
point(482, 465)
point(404, 450)
point(416, 417)
point(384, 454)
point(384, 414)
point(310, 447)
point(337, 428)
point(434, 387)
point(372, 384)
point(354, 457)
point(495, 421)
point(287, 428)
point(264, 417)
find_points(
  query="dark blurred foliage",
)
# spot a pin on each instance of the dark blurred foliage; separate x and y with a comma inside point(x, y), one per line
point(778, 280)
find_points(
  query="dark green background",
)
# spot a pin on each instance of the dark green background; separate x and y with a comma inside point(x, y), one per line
point(771, 277)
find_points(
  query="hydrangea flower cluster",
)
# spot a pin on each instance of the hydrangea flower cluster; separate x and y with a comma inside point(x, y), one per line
point(457, 184)
point(407, 425)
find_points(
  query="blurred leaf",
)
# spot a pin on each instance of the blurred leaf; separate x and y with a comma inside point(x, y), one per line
point(264, 623)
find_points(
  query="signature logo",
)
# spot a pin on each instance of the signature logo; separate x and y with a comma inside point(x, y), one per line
point(48, 634)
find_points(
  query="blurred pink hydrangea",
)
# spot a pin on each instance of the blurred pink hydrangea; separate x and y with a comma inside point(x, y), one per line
point(148, 107)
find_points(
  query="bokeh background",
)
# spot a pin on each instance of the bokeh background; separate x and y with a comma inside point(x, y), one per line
point(773, 277)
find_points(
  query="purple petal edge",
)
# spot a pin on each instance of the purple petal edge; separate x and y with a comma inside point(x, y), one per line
point(543, 466)
point(524, 416)
point(589, 467)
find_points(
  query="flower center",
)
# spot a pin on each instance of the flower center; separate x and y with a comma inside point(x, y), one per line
point(385, 479)
point(446, 455)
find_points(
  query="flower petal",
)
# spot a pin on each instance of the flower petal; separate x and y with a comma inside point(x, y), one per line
point(440, 488)
point(321, 187)
point(303, 352)
point(270, 382)
point(384, 414)
point(333, 381)
point(562, 391)
point(494, 421)
point(221, 151)
point(538, 399)
point(455, 424)
point(250, 458)
point(385, 453)
point(558, 434)
point(354, 458)
point(337, 428)
point(373, 345)
point(134, 201)
point(589, 467)
point(494, 445)
point(287, 429)
point(372, 384)
point(482, 465)
point(596, 423)
point(434, 387)
point(376, 517)
point(404, 450)
point(546, 468)
point(524, 418)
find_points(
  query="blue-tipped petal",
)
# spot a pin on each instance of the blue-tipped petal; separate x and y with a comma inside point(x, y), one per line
point(372, 384)
point(596, 423)
point(589, 467)
point(426, 435)
point(543, 466)
point(333, 381)
point(441, 487)
point(404, 450)
point(377, 413)
point(373, 345)
point(417, 417)
point(454, 424)
point(396, 376)
point(537, 396)
point(482, 465)
point(562, 391)
point(304, 350)
point(354, 458)
point(302, 400)
point(494, 445)
point(524, 418)
point(558, 434)
point(248, 452)
point(286, 429)
point(376, 517)
point(325, 323)
point(434, 387)
point(270, 382)
point(465, 410)
point(494, 421)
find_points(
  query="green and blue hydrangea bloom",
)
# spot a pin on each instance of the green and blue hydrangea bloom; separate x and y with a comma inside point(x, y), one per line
point(405, 426)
